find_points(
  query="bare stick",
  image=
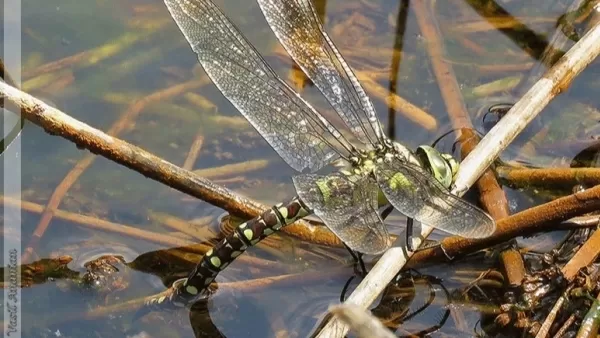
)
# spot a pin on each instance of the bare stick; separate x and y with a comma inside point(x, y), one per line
point(361, 321)
point(58, 123)
point(555, 81)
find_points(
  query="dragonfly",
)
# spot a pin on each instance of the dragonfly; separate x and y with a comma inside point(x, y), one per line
point(376, 168)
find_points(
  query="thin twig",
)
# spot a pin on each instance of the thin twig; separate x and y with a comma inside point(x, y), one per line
point(409, 110)
point(194, 152)
point(566, 325)
point(232, 169)
point(494, 23)
point(545, 328)
point(581, 222)
point(99, 224)
point(100, 53)
point(526, 222)
point(197, 230)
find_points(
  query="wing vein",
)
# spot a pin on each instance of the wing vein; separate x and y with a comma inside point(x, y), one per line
point(299, 134)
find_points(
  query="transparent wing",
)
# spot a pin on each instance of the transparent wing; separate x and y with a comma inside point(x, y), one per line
point(298, 28)
point(288, 123)
point(417, 194)
point(348, 208)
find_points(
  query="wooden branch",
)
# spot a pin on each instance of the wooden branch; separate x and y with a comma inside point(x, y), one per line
point(84, 136)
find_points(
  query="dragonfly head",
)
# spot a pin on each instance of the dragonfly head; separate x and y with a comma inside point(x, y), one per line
point(442, 166)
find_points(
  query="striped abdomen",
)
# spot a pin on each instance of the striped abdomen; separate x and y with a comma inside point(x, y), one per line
point(245, 235)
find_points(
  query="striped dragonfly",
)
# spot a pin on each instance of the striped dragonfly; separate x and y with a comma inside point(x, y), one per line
point(416, 184)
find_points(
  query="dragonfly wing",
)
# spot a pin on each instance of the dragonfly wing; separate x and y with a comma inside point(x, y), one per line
point(300, 31)
point(417, 194)
point(288, 123)
point(348, 208)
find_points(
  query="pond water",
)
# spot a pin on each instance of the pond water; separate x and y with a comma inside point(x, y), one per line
point(125, 68)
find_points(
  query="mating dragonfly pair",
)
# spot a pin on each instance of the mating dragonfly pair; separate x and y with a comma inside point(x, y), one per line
point(416, 184)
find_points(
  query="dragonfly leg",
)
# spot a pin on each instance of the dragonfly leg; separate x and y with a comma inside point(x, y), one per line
point(409, 233)
point(387, 211)
point(357, 256)
point(345, 289)
point(426, 244)
point(188, 290)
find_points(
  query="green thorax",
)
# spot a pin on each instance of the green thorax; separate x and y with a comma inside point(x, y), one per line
point(442, 167)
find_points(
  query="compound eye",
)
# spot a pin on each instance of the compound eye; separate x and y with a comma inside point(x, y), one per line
point(437, 164)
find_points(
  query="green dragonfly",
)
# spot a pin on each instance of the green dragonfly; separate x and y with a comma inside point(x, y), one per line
point(415, 183)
